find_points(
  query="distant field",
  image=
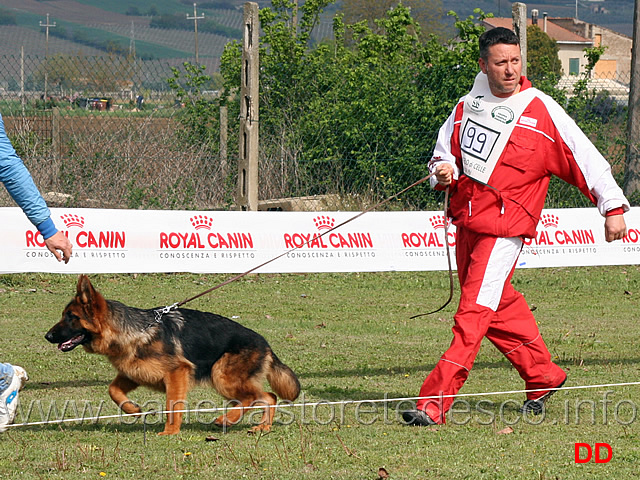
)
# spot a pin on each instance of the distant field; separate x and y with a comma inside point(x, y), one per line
point(106, 21)
point(69, 10)
point(162, 6)
point(208, 43)
point(14, 37)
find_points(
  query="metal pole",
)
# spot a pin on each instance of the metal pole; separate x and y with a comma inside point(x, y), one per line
point(22, 99)
point(47, 25)
point(224, 136)
point(195, 19)
point(632, 170)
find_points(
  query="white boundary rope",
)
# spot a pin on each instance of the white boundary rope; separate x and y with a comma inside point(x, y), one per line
point(314, 404)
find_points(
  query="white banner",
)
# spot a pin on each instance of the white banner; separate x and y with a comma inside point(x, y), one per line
point(142, 241)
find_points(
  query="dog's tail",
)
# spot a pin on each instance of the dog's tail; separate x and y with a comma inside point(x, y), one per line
point(282, 379)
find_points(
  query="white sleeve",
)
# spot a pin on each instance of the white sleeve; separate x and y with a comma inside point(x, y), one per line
point(442, 151)
point(594, 167)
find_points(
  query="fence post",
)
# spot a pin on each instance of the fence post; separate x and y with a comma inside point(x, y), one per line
point(247, 198)
point(56, 148)
point(224, 125)
point(632, 170)
point(519, 14)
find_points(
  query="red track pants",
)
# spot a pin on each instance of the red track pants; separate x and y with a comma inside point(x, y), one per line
point(491, 307)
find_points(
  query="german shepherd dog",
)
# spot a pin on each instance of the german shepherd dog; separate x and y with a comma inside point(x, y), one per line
point(173, 352)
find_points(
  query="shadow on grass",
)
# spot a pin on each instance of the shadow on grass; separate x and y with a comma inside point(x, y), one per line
point(81, 383)
point(426, 368)
point(151, 430)
point(390, 370)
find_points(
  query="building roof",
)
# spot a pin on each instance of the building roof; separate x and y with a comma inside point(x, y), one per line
point(559, 34)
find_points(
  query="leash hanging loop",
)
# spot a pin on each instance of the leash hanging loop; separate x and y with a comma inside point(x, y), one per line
point(446, 242)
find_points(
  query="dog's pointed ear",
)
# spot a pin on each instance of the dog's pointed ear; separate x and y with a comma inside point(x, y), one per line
point(84, 290)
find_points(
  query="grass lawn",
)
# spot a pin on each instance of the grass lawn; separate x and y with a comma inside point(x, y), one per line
point(348, 337)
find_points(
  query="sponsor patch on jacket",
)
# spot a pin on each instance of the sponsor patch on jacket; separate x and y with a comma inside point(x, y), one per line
point(528, 121)
point(503, 114)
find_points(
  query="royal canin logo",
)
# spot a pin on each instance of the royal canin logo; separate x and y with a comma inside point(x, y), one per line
point(549, 220)
point(552, 233)
point(430, 239)
point(324, 223)
point(71, 220)
point(209, 239)
point(201, 222)
point(438, 221)
point(83, 239)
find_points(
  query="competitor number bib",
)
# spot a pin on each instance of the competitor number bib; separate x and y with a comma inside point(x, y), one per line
point(487, 124)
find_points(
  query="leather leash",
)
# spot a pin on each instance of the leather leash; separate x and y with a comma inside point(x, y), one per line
point(161, 311)
point(446, 243)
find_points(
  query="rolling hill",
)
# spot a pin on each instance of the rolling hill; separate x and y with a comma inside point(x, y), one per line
point(94, 27)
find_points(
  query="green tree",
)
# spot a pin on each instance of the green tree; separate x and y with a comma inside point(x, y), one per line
point(356, 116)
point(360, 115)
point(542, 54)
point(199, 116)
point(544, 67)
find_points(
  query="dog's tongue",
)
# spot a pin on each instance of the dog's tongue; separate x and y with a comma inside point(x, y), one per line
point(71, 344)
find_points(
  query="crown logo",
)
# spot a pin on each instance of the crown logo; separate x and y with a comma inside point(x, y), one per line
point(201, 221)
point(549, 220)
point(71, 220)
point(438, 221)
point(324, 223)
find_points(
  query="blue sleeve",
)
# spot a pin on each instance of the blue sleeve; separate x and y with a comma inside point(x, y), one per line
point(19, 183)
point(47, 228)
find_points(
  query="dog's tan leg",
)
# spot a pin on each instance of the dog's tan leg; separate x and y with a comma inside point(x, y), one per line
point(269, 400)
point(233, 416)
point(234, 377)
point(118, 390)
point(230, 378)
point(255, 401)
point(177, 387)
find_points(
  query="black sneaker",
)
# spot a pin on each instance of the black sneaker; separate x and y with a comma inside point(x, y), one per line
point(417, 418)
point(536, 407)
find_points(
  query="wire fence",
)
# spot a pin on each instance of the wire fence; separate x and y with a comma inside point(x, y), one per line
point(109, 132)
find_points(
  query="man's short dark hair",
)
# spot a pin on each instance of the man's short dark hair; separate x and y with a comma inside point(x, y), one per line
point(494, 37)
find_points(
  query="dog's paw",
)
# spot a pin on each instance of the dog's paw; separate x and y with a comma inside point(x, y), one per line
point(222, 421)
point(259, 429)
point(130, 407)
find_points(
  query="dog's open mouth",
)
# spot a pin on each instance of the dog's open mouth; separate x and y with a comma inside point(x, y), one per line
point(72, 343)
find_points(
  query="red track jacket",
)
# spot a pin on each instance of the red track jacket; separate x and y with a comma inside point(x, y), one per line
point(544, 142)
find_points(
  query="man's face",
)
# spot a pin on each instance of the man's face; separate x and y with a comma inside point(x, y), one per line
point(503, 67)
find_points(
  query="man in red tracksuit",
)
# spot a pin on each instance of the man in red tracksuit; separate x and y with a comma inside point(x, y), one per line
point(497, 152)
